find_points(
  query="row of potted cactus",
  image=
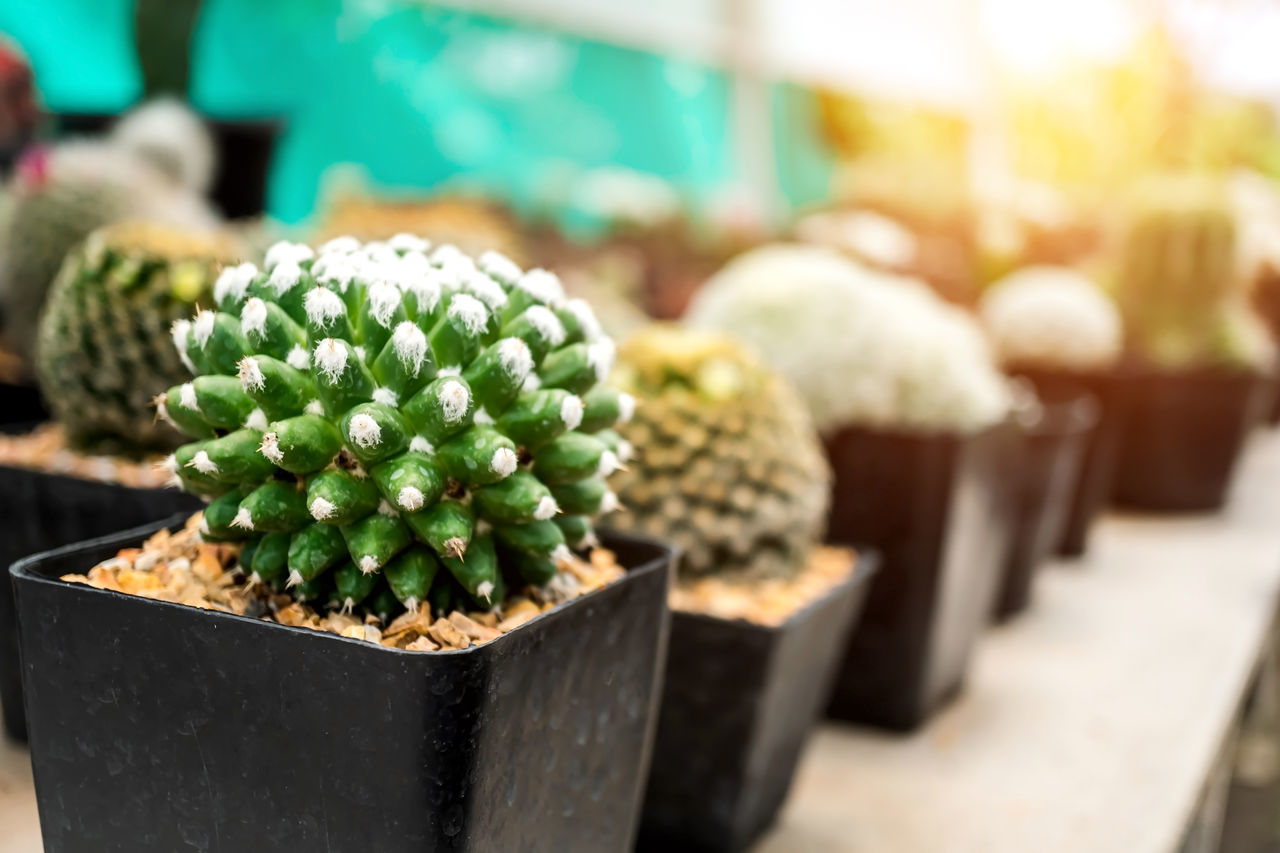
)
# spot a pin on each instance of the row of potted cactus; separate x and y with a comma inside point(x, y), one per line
point(394, 427)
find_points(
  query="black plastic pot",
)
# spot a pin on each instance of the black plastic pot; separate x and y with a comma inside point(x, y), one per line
point(40, 511)
point(737, 706)
point(1092, 492)
point(21, 408)
point(243, 147)
point(1183, 436)
point(934, 508)
point(159, 727)
point(1052, 441)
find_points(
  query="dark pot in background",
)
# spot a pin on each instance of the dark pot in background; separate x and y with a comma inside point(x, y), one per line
point(738, 703)
point(157, 727)
point(935, 509)
point(1183, 435)
point(1053, 437)
point(243, 148)
point(40, 511)
point(1092, 492)
point(21, 408)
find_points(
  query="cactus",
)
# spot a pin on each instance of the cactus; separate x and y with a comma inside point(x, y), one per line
point(104, 350)
point(60, 195)
point(1179, 288)
point(1052, 317)
point(380, 426)
point(732, 470)
point(863, 348)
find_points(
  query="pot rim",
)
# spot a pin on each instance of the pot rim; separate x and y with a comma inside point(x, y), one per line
point(867, 562)
point(23, 571)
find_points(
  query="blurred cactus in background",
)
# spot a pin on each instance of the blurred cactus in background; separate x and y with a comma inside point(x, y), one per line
point(381, 426)
point(1052, 317)
point(104, 350)
point(732, 470)
point(172, 138)
point(863, 348)
point(1178, 280)
point(59, 195)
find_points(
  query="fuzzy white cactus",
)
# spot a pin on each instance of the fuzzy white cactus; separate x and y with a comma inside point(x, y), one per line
point(1045, 316)
point(863, 348)
point(868, 236)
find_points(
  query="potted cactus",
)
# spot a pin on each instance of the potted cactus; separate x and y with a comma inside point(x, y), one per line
point(103, 353)
point(913, 415)
point(733, 473)
point(406, 439)
point(1200, 357)
point(1056, 328)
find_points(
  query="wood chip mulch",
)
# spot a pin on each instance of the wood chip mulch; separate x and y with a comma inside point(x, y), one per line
point(45, 449)
point(181, 568)
point(765, 602)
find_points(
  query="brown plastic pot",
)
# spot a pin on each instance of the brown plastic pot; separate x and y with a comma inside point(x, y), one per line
point(934, 507)
point(738, 704)
point(1052, 440)
point(1183, 436)
point(1092, 492)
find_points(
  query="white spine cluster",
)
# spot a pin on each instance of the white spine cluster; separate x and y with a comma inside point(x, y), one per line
point(571, 411)
point(547, 509)
point(298, 358)
point(202, 327)
point(504, 462)
point(285, 251)
point(384, 299)
point(233, 282)
point(271, 448)
point(187, 397)
point(323, 307)
point(500, 266)
point(284, 277)
point(403, 242)
point(581, 311)
point(181, 333)
point(542, 285)
point(469, 313)
point(322, 509)
point(515, 358)
point(253, 318)
point(331, 358)
point(485, 289)
point(251, 378)
point(411, 499)
point(547, 324)
point(454, 400)
point(410, 346)
point(364, 431)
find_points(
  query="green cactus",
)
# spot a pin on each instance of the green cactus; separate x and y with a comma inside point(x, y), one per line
point(1177, 280)
point(104, 350)
point(401, 428)
point(732, 469)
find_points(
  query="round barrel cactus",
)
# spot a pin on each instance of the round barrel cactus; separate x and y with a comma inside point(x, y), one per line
point(385, 427)
point(732, 471)
point(103, 352)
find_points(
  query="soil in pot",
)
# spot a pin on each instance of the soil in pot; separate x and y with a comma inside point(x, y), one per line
point(935, 509)
point(1092, 492)
point(1052, 441)
point(52, 496)
point(238, 732)
point(1183, 436)
point(749, 669)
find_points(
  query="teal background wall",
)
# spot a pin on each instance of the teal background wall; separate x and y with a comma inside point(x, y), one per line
point(422, 96)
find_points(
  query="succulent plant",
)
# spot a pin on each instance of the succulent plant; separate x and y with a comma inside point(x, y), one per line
point(169, 135)
point(732, 470)
point(380, 425)
point(104, 350)
point(57, 197)
point(863, 348)
point(1178, 281)
point(1052, 317)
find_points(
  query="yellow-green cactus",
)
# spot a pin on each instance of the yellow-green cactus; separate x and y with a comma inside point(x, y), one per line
point(732, 470)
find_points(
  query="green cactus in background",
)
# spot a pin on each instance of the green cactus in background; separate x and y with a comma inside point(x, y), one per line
point(1178, 285)
point(60, 195)
point(732, 470)
point(380, 426)
point(104, 350)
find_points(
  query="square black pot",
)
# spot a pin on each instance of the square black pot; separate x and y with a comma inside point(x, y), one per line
point(1092, 492)
point(40, 511)
point(159, 727)
point(935, 509)
point(1184, 434)
point(1042, 476)
point(738, 703)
